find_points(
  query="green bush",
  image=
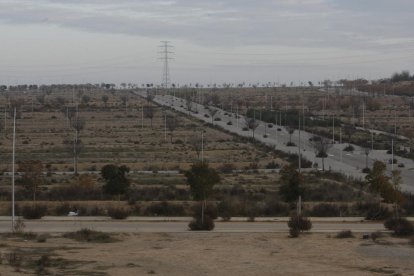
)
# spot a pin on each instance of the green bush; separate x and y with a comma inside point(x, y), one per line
point(164, 209)
point(299, 223)
point(34, 212)
point(87, 235)
point(118, 212)
point(205, 224)
point(197, 225)
point(374, 211)
point(345, 234)
point(400, 226)
point(225, 209)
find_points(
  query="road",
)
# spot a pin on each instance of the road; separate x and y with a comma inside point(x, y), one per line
point(39, 226)
point(350, 164)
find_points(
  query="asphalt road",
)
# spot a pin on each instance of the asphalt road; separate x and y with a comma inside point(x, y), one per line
point(176, 227)
point(350, 164)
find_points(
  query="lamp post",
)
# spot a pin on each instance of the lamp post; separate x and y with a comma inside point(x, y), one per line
point(13, 164)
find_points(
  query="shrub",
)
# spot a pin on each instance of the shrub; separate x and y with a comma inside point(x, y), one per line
point(229, 123)
point(118, 213)
point(345, 234)
point(245, 128)
point(87, 235)
point(376, 235)
point(272, 165)
point(294, 232)
point(34, 212)
point(374, 211)
point(63, 209)
point(207, 223)
point(225, 209)
point(349, 148)
point(299, 223)
point(197, 225)
point(366, 170)
point(164, 209)
point(400, 226)
point(290, 144)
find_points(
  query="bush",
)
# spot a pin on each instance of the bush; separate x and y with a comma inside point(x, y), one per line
point(164, 209)
point(229, 123)
point(207, 224)
point(87, 235)
point(349, 148)
point(197, 225)
point(366, 170)
point(118, 213)
point(290, 144)
point(400, 226)
point(272, 165)
point(299, 223)
point(34, 212)
point(345, 234)
point(225, 209)
point(374, 211)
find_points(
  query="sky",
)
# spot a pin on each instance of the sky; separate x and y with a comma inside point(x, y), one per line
point(214, 41)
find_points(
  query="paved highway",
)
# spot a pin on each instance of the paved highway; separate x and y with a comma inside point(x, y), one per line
point(39, 226)
point(348, 163)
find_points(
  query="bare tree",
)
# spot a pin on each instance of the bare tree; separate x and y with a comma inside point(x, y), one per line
point(251, 123)
point(290, 129)
point(212, 112)
point(321, 145)
point(196, 143)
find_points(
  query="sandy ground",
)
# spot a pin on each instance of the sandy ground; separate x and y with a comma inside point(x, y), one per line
point(218, 254)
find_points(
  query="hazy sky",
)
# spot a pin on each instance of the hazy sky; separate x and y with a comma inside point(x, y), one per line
point(215, 41)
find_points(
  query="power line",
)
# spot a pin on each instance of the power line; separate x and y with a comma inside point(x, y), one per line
point(166, 79)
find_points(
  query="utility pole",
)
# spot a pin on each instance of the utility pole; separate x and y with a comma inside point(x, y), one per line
point(300, 154)
point(392, 154)
point(165, 52)
point(13, 164)
point(202, 146)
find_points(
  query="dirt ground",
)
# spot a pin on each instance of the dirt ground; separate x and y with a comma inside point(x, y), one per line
point(215, 254)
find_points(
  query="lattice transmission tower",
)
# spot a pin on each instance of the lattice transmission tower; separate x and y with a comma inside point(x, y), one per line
point(166, 57)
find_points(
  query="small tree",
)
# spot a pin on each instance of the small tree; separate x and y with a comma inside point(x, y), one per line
point(321, 145)
point(201, 179)
point(290, 130)
point(32, 175)
point(291, 182)
point(251, 123)
point(116, 181)
point(196, 144)
point(379, 183)
point(212, 112)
